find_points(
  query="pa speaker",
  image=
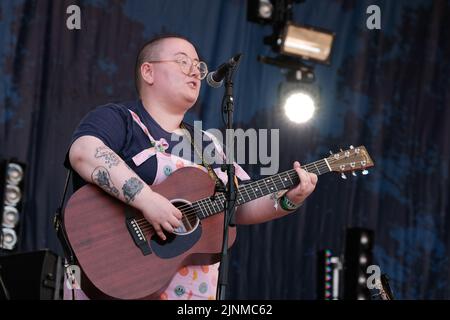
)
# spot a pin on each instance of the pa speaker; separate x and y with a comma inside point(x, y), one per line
point(36, 275)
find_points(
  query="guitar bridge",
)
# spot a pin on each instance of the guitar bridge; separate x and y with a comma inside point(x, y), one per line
point(138, 236)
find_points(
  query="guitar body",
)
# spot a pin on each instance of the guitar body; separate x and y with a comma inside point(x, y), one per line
point(113, 265)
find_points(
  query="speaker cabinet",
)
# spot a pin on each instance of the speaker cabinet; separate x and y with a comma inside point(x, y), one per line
point(36, 275)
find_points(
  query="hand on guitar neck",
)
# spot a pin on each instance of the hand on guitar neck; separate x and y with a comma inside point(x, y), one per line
point(264, 209)
point(308, 181)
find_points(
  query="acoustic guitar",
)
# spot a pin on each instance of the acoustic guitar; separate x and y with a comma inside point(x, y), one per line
point(122, 258)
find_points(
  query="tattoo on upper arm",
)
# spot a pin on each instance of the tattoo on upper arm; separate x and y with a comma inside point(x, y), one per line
point(131, 188)
point(101, 177)
point(110, 158)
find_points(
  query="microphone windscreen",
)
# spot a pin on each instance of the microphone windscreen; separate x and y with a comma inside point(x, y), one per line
point(213, 83)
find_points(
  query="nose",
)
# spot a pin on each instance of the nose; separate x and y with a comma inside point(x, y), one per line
point(195, 71)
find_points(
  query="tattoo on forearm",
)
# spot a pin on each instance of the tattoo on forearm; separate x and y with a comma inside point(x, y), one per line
point(110, 158)
point(101, 177)
point(131, 188)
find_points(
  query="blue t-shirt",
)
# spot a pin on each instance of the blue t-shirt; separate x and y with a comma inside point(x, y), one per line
point(113, 124)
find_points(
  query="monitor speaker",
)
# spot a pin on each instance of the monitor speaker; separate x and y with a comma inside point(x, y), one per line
point(36, 275)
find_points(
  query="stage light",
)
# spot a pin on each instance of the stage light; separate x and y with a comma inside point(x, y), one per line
point(362, 279)
point(363, 260)
point(328, 275)
point(10, 217)
point(364, 239)
point(265, 9)
point(358, 256)
point(11, 192)
point(9, 239)
point(299, 107)
point(298, 100)
point(306, 42)
point(14, 174)
point(260, 11)
point(12, 195)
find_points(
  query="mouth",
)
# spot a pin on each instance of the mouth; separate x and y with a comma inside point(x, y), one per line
point(193, 84)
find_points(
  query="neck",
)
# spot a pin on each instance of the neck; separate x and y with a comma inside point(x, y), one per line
point(168, 118)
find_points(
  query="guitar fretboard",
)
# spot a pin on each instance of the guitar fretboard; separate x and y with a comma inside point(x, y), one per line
point(247, 192)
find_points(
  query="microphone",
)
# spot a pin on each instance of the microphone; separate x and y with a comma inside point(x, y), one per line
point(215, 78)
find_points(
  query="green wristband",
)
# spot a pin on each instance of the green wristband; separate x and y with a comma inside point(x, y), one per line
point(288, 205)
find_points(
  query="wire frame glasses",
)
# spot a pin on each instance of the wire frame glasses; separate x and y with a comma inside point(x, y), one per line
point(187, 66)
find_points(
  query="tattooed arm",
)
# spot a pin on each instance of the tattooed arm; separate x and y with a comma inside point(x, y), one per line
point(98, 164)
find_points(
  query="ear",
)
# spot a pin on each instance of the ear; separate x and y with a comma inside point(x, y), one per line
point(147, 73)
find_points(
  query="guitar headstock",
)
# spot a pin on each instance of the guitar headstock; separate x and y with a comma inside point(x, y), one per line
point(352, 160)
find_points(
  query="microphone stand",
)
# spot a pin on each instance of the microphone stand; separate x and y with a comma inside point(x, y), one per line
point(231, 188)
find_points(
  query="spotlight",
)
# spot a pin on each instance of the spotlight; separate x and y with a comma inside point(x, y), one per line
point(9, 239)
point(364, 239)
point(299, 107)
point(11, 194)
point(362, 260)
point(328, 275)
point(362, 279)
point(260, 11)
point(306, 42)
point(358, 256)
point(10, 217)
point(14, 174)
point(299, 101)
point(265, 9)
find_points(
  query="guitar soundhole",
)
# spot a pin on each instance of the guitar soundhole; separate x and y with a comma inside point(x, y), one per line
point(189, 221)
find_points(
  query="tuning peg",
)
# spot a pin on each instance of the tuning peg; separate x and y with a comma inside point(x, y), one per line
point(365, 172)
point(341, 150)
point(352, 147)
point(343, 176)
point(331, 152)
point(354, 173)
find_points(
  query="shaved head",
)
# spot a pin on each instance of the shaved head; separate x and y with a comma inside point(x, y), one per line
point(151, 51)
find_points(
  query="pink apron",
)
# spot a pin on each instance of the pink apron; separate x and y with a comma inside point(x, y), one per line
point(190, 282)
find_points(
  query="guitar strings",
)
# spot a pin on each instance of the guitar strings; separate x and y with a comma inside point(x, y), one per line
point(146, 226)
point(197, 205)
point(289, 173)
point(192, 212)
point(244, 187)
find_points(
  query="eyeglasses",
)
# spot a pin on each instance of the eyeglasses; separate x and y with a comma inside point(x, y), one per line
point(186, 65)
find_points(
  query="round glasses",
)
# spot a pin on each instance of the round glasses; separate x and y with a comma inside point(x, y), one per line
point(187, 65)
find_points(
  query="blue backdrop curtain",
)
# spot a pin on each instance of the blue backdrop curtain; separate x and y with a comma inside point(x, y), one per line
point(386, 89)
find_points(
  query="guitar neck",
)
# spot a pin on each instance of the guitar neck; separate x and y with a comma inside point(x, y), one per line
point(260, 188)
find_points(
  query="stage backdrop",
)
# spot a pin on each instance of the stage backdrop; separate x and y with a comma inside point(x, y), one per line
point(386, 89)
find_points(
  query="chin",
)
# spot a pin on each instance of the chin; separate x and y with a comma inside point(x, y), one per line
point(190, 105)
point(191, 100)
point(187, 104)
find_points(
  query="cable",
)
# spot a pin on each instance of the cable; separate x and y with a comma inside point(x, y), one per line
point(5, 291)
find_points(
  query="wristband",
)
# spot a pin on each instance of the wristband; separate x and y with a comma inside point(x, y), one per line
point(288, 205)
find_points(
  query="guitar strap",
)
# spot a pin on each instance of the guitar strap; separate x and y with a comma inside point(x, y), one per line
point(218, 183)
